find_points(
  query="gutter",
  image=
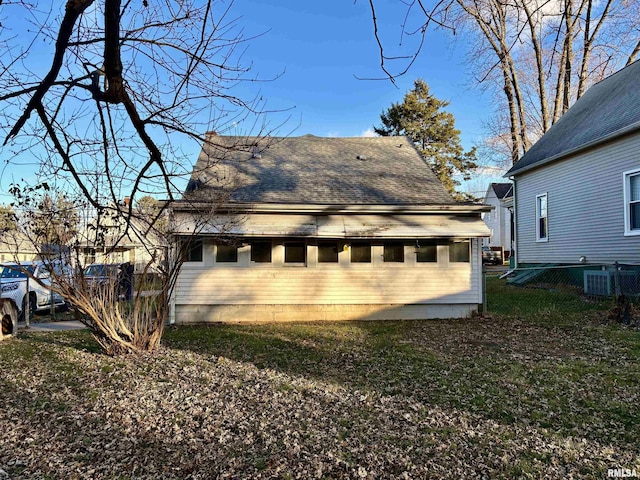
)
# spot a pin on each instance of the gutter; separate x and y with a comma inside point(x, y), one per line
point(186, 206)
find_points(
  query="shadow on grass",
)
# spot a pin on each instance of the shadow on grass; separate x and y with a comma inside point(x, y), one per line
point(81, 340)
point(486, 368)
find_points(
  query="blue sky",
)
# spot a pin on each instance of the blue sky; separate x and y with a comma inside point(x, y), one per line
point(323, 46)
point(327, 55)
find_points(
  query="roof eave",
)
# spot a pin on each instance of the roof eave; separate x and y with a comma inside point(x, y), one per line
point(633, 128)
point(186, 206)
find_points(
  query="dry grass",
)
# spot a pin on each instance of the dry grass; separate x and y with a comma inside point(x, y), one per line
point(492, 398)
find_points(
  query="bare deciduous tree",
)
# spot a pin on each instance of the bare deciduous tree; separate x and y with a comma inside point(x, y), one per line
point(126, 85)
point(537, 56)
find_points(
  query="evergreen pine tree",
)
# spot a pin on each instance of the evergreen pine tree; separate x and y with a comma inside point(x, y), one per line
point(422, 118)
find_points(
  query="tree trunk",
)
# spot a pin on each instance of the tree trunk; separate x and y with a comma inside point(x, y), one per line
point(542, 91)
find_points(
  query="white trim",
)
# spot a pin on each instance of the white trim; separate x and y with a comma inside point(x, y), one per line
point(539, 217)
point(626, 190)
point(245, 208)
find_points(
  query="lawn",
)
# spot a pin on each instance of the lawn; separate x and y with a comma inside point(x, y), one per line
point(501, 396)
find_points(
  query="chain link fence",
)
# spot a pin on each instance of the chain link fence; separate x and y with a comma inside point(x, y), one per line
point(565, 290)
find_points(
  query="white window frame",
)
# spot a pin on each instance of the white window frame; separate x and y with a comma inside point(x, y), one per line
point(626, 181)
point(539, 216)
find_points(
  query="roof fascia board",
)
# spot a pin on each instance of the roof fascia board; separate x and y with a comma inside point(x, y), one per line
point(331, 209)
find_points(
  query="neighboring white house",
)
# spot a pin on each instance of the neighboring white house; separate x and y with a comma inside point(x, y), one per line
point(498, 220)
point(312, 228)
point(16, 247)
point(119, 241)
point(577, 190)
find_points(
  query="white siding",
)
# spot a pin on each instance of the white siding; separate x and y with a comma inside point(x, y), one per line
point(498, 221)
point(585, 207)
point(373, 287)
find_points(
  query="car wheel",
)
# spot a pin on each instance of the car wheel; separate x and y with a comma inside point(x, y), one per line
point(31, 305)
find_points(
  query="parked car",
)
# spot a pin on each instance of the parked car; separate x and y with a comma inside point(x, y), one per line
point(489, 256)
point(13, 285)
point(103, 274)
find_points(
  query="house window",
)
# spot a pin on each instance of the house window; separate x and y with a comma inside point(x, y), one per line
point(192, 251)
point(261, 252)
point(632, 202)
point(360, 253)
point(542, 224)
point(393, 252)
point(459, 252)
point(226, 253)
point(295, 252)
point(328, 252)
point(426, 251)
point(89, 256)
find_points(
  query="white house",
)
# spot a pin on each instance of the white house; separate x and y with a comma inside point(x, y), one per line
point(499, 219)
point(577, 190)
point(119, 240)
point(16, 247)
point(310, 228)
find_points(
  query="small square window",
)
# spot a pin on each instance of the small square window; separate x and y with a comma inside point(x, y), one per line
point(192, 251)
point(459, 252)
point(360, 253)
point(295, 252)
point(261, 252)
point(328, 252)
point(393, 252)
point(426, 251)
point(226, 253)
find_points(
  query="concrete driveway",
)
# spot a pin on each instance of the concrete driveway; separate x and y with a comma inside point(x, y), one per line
point(53, 326)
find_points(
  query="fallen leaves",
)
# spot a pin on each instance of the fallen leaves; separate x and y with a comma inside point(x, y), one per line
point(446, 399)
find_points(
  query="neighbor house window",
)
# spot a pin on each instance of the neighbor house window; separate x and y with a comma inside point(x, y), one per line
point(295, 252)
point(89, 256)
point(393, 252)
point(193, 251)
point(459, 252)
point(261, 252)
point(226, 253)
point(542, 223)
point(632, 202)
point(360, 253)
point(328, 252)
point(426, 251)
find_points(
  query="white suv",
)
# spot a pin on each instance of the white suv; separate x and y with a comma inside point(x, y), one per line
point(13, 285)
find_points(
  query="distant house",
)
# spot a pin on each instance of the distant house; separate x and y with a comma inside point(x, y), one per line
point(16, 247)
point(315, 228)
point(577, 190)
point(118, 242)
point(499, 219)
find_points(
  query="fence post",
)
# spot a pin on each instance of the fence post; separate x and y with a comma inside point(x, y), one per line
point(484, 291)
point(616, 281)
point(27, 308)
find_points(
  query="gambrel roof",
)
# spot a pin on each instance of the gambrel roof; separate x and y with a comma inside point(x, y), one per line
point(314, 170)
point(607, 110)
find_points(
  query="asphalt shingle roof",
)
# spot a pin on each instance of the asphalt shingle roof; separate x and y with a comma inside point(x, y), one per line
point(608, 108)
point(503, 190)
point(314, 170)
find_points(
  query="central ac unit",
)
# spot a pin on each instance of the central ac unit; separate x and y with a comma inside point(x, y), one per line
point(602, 282)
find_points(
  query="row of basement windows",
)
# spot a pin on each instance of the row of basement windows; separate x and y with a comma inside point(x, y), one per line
point(295, 252)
